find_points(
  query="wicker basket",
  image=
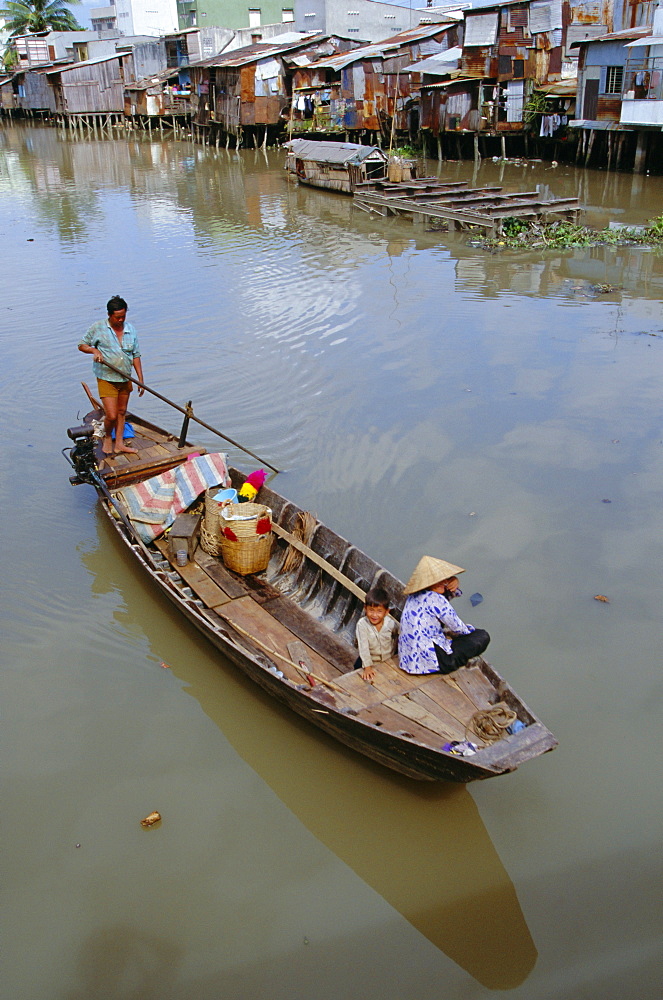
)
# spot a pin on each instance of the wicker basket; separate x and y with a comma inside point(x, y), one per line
point(246, 537)
point(210, 527)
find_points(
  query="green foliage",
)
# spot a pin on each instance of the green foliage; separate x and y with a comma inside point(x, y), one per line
point(512, 228)
point(535, 106)
point(565, 235)
point(29, 16)
point(655, 228)
point(9, 58)
point(407, 152)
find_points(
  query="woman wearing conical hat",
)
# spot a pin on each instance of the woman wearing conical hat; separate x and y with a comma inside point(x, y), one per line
point(433, 639)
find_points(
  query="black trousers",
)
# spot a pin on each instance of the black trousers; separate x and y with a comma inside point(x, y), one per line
point(463, 648)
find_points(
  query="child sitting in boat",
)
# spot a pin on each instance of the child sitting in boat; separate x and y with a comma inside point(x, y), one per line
point(377, 633)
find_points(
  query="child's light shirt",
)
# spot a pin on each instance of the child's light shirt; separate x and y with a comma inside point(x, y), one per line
point(375, 645)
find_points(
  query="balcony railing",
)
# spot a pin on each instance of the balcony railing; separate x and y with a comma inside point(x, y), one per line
point(643, 80)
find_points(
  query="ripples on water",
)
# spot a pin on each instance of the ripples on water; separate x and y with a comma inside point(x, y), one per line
point(422, 396)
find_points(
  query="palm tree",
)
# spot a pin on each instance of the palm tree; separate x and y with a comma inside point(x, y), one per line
point(24, 16)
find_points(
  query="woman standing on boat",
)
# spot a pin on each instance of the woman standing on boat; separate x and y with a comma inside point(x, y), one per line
point(433, 639)
point(115, 341)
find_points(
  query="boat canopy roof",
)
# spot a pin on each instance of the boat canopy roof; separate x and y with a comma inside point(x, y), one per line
point(334, 152)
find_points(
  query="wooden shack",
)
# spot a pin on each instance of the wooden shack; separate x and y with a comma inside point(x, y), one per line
point(32, 90)
point(510, 49)
point(7, 96)
point(338, 166)
point(92, 87)
point(249, 88)
point(159, 95)
point(364, 89)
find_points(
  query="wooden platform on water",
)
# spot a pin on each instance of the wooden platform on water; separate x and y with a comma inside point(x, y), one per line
point(457, 203)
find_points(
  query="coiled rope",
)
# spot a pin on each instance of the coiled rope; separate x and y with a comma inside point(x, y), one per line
point(489, 724)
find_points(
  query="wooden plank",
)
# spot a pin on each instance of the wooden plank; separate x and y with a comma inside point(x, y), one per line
point(300, 653)
point(215, 569)
point(477, 687)
point(319, 561)
point(313, 633)
point(447, 720)
point(450, 697)
point(393, 722)
point(268, 634)
point(196, 578)
point(392, 681)
point(364, 693)
point(406, 706)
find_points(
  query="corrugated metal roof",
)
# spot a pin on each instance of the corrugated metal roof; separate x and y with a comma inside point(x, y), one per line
point(88, 62)
point(646, 40)
point(614, 36)
point(152, 80)
point(598, 126)
point(393, 43)
point(439, 65)
point(258, 50)
point(451, 83)
point(332, 152)
point(562, 88)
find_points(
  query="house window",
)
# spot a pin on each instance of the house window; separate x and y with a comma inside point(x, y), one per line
point(287, 14)
point(254, 17)
point(614, 77)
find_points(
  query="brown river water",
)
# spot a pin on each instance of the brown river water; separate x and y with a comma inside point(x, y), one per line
point(500, 410)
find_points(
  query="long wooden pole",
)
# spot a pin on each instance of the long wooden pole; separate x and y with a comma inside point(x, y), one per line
point(191, 416)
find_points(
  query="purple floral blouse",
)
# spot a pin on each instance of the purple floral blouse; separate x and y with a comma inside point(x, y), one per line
point(423, 616)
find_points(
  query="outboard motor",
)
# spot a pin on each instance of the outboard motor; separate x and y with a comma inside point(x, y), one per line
point(82, 455)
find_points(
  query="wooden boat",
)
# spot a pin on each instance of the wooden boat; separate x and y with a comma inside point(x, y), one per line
point(291, 629)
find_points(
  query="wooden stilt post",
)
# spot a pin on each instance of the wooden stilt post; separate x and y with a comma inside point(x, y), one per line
point(503, 146)
point(477, 154)
point(590, 145)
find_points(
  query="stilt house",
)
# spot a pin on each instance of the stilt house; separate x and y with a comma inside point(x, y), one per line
point(250, 87)
point(364, 89)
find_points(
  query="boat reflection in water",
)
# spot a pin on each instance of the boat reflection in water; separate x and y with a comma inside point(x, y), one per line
point(421, 845)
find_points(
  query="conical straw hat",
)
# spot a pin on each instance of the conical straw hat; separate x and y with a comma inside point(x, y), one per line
point(430, 571)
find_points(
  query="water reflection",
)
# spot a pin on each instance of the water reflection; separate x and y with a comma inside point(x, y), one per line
point(423, 847)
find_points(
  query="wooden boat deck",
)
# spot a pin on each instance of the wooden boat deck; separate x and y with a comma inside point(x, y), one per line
point(435, 709)
point(292, 632)
point(157, 449)
point(456, 202)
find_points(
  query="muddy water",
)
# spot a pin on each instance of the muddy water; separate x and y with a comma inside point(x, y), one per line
point(500, 410)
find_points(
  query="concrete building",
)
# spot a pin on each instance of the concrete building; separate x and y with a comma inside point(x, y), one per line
point(146, 17)
point(234, 13)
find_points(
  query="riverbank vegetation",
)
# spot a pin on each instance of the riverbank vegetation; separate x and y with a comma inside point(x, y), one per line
point(521, 234)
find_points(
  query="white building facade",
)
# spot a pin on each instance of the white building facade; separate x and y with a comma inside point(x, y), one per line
point(146, 17)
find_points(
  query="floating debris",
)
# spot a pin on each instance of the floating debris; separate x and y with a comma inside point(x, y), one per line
point(150, 820)
point(476, 599)
point(602, 598)
point(606, 501)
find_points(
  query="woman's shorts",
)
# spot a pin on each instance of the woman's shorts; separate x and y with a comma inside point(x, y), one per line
point(114, 389)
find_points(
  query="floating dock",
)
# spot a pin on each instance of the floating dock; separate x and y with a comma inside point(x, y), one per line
point(459, 204)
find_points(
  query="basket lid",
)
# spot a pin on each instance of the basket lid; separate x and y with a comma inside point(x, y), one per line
point(244, 511)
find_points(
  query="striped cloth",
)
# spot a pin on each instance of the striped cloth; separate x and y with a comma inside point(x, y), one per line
point(152, 506)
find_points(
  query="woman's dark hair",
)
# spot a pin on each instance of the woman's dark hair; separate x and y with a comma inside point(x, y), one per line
point(115, 304)
point(377, 597)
